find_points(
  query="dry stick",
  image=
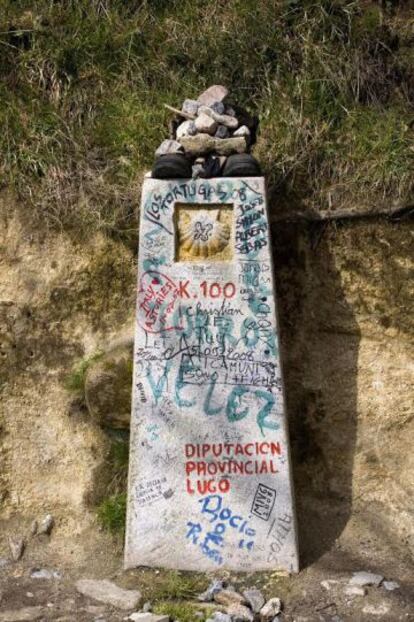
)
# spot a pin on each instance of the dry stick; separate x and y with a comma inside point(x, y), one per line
point(395, 213)
point(185, 115)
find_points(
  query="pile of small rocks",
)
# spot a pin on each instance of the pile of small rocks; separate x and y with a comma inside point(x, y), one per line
point(207, 130)
point(250, 606)
point(246, 607)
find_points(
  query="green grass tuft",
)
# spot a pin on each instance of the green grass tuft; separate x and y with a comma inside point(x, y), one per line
point(177, 585)
point(83, 85)
point(112, 512)
point(75, 381)
point(185, 612)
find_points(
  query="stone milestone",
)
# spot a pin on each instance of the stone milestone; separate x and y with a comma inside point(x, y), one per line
point(209, 482)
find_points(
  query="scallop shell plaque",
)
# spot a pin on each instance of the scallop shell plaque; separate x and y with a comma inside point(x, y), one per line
point(203, 235)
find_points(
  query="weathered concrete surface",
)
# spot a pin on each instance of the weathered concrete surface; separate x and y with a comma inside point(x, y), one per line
point(209, 482)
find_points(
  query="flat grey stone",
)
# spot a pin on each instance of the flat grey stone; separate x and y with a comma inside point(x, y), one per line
point(148, 617)
point(218, 107)
point(190, 106)
point(26, 614)
point(270, 609)
point(242, 131)
point(186, 128)
point(218, 616)
point(107, 592)
point(222, 132)
point(255, 599)
point(46, 525)
point(240, 613)
point(215, 93)
point(169, 146)
point(391, 585)
point(366, 578)
point(223, 119)
point(204, 143)
point(205, 123)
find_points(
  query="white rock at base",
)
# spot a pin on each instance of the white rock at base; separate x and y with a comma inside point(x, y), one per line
point(205, 123)
point(148, 617)
point(376, 610)
point(366, 578)
point(107, 592)
point(219, 616)
point(270, 609)
point(44, 573)
point(215, 93)
point(26, 614)
point(169, 146)
point(391, 585)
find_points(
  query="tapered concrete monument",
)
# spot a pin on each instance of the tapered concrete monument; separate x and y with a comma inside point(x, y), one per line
point(209, 483)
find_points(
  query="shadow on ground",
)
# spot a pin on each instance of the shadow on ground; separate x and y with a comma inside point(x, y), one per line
point(319, 349)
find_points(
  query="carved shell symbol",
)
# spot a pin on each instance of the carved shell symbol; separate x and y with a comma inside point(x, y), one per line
point(204, 235)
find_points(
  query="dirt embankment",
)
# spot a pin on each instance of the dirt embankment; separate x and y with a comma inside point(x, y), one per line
point(345, 310)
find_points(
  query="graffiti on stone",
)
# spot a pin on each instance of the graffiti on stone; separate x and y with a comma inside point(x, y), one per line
point(209, 463)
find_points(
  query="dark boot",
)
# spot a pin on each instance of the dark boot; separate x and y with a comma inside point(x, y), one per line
point(241, 165)
point(171, 166)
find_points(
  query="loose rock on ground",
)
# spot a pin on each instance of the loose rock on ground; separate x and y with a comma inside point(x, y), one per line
point(366, 578)
point(270, 609)
point(107, 592)
point(255, 599)
point(26, 614)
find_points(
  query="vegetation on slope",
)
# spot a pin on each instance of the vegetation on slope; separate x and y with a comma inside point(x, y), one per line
point(82, 83)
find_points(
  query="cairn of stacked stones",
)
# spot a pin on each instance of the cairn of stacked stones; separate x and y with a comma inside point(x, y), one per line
point(207, 130)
